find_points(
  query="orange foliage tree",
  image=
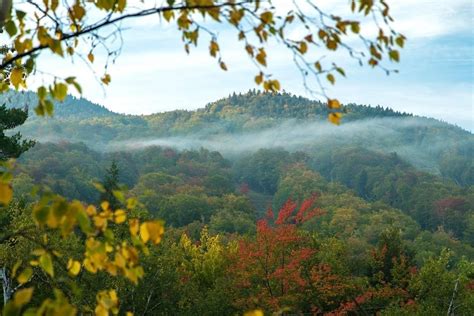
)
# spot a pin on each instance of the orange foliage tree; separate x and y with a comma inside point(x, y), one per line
point(278, 270)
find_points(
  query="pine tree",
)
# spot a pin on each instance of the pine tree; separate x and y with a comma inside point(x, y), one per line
point(12, 146)
point(111, 184)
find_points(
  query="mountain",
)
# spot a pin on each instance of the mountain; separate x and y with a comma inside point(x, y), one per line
point(243, 123)
point(226, 164)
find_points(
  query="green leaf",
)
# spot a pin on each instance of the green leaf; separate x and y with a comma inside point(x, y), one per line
point(42, 92)
point(84, 221)
point(341, 71)
point(46, 263)
point(11, 29)
point(59, 91)
point(49, 107)
point(20, 14)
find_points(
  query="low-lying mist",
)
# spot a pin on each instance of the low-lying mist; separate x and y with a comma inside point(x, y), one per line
point(387, 135)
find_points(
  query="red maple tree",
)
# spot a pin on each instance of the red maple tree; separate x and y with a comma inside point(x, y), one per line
point(277, 270)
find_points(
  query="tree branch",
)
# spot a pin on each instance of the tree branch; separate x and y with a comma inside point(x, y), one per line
point(108, 21)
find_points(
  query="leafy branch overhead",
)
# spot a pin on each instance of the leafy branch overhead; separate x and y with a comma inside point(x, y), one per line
point(81, 29)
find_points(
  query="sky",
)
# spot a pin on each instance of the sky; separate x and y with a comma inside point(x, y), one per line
point(435, 79)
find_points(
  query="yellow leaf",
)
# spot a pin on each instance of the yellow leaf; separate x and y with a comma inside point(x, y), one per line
point(259, 78)
point(318, 66)
point(400, 40)
point(106, 79)
point(223, 66)
point(107, 300)
point(131, 203)
point(214, 12)
point(134, 227)
point(25, 275)
point(273, 85)
point(261, 57)
point(213, 48)
point(54, 4)
point(355, 27)
point(331, 78)
point(335, 118)
point(6, 193)
point(394, 55)
point(332, 45)
point(121, 5)
point(23, 296)
point(16, 77)
point(266, 17)
point(154, 230)
point(56, 47)
point(144, 234)
point(60, 91)
point(257, 312)
point(120, 216)
point(15, 268)
point(74, 267)
point(303, 47)
point(91, 57)
point(91, 210)
point(236, 16)
point(168, 15)
point(105, 205)
point(78, 11)
point(334, 104)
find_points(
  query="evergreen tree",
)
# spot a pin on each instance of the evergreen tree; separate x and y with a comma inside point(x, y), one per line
point(111, 184)
point(12, 146)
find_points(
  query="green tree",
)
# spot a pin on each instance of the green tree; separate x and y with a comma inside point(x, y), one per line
point(12, 146)
point(111, 186)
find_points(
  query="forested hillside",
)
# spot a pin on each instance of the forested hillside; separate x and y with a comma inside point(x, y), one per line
point(246, 122)
point(366, 216)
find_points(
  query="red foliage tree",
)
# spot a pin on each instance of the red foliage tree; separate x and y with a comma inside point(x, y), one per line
point(277, 270)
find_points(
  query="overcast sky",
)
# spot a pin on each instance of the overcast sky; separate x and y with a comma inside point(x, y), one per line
point(153, 74)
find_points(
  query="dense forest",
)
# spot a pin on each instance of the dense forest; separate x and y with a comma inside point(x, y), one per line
point(265, 205)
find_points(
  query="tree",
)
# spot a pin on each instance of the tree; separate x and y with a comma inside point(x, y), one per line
point(439, 289)
point(111, 186)
point(82, 29)
point(273, 271)
point(12, 146)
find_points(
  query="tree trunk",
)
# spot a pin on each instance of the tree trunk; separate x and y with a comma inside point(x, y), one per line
point(6, 285)
point(451, 304)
